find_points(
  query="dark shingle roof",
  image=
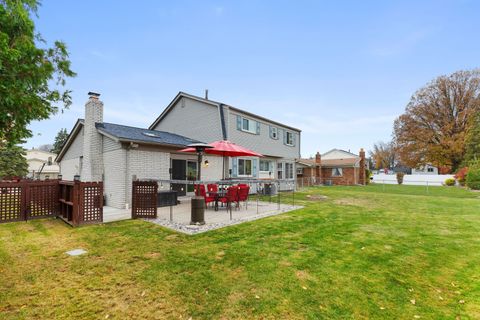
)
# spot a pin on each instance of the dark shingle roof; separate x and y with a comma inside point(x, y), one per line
point(126, 133)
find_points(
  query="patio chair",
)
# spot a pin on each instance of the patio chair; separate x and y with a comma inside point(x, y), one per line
point(200, 191)
point(212, 187)
point(243, 192)
point(230, 197)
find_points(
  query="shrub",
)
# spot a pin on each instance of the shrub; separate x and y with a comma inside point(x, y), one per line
point(400, 177)
point(473, 176)
point(450, 182)
point(368, 175)
point(461, 175)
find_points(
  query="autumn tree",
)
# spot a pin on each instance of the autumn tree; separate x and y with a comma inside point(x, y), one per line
point(383, 155)
point(434, 125)
point(60, 140)
point(472, 142)
point(32, 75)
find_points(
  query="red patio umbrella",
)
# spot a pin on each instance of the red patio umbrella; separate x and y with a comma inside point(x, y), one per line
point(226, 148)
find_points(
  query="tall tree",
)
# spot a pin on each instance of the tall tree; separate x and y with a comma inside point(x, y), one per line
point(433, 127)
point(472, 142)
point(31, 77)
point(60, 140)
point(383, 155)
point(12, 162)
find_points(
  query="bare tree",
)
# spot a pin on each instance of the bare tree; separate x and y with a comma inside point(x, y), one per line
point(383, 155)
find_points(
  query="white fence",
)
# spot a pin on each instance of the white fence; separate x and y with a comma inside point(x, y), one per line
point(413, 179)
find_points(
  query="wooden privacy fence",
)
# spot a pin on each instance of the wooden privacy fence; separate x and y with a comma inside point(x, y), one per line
point(81, 202)
point(144, 199)
point(76, 203)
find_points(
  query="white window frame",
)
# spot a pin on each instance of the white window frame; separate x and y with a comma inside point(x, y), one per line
point(274, 133)
point(270, 165)
point(244, 174)
point(252, 125)
point(334, 172)
point(289, 168)
point(280, 170)
point(289, 134)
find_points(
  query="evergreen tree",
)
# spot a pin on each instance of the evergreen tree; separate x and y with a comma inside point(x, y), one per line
point(60, 140)
point(12, 162)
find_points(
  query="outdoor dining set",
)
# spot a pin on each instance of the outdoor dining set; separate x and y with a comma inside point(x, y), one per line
point(226, 196)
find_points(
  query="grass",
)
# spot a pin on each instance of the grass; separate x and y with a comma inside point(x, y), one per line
point(363, 252)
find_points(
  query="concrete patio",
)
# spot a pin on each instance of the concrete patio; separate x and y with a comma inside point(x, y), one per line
point(178, 218)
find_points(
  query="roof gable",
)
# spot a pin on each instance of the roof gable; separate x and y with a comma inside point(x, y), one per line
point(338, 154)
point(215, 104)
point(76, 129)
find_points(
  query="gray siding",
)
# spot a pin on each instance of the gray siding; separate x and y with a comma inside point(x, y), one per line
point(70, 164)
point(193, 119)
point(110, 144)
point(262, 142)
point(76, 148)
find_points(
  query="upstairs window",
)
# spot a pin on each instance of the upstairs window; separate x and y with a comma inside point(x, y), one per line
point(248, 125)
point(274, 133)
point(429, 169)
point(289, 138)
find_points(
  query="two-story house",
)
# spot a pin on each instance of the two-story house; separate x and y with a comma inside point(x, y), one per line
point(118, 154)
point(209, 121)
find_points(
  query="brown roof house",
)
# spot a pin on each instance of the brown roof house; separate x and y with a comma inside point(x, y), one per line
point(335, 167)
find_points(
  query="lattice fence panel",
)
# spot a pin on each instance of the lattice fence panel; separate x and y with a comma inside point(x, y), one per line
point(144, 199)
point(43, 199)
point(91, 202)
point(11, 206)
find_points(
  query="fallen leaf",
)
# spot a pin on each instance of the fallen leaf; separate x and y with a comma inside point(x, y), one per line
point(411, 289)
point(257, 297)
point(413, 301)
point(107, 316)
point(461, 301)
point(416, 317)
point(304, 288)
point(382, 308)
point(440, 297)
point(453, 284)
point(143, 293)
point(363, 248)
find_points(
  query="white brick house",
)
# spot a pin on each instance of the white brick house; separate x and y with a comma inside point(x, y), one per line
point(117, 154)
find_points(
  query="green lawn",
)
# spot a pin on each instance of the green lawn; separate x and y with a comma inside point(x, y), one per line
point(364, 252)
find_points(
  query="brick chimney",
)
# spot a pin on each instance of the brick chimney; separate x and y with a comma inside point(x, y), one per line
point(361, 176)
point(92, 166)
point(318, 168)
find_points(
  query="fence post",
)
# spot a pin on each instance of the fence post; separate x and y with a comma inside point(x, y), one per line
point(24, 189)
point(76, 203)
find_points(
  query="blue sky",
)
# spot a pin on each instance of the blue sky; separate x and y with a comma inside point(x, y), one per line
point(341, 71)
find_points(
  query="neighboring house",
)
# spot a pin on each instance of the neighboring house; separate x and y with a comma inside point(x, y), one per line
point(117, 154)
point(209, 121)
point(426, 169)
point(41, 165)
point(335, 167)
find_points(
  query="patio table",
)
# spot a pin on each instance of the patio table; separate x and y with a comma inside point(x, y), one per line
point(217, 195)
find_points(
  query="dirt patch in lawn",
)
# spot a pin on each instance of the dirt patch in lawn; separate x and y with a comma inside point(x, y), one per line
point(354, 202)
point(316, 197)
